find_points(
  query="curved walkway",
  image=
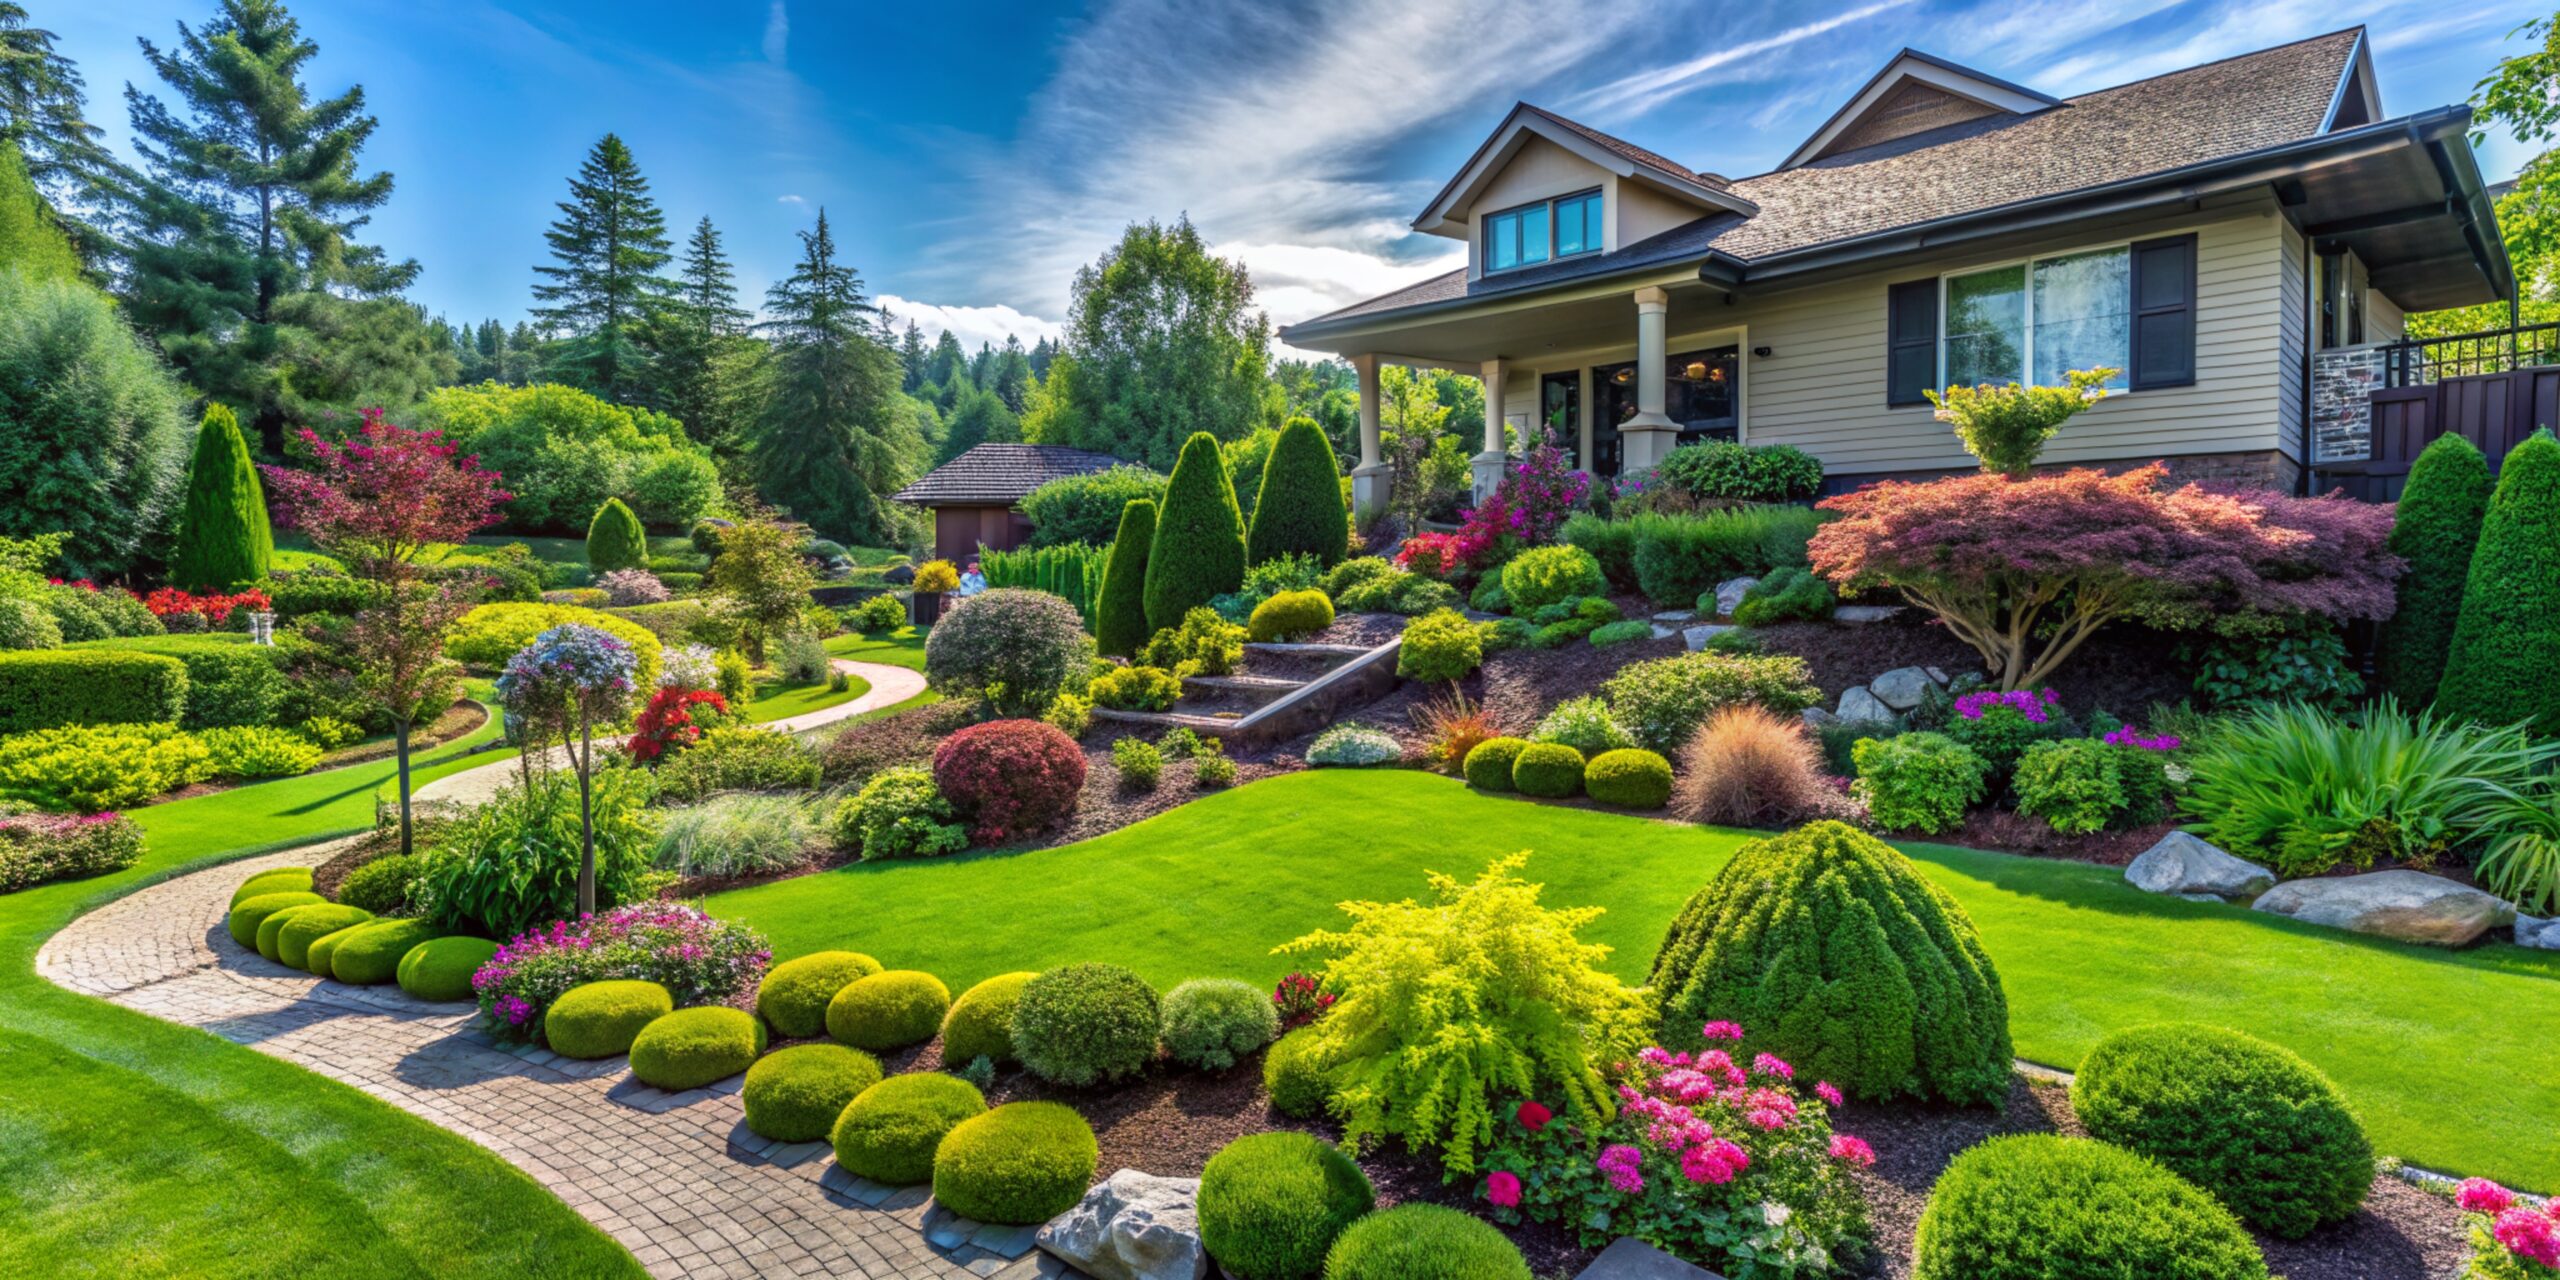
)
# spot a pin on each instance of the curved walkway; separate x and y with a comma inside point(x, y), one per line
point(677, 1178)
point(889, 687)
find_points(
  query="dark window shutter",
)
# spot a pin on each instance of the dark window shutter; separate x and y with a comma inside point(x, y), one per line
point(1911, 341)
point(2164, 313)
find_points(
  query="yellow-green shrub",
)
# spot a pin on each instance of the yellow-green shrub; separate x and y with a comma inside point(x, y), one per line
point(1629, 778)
point(490, 634)
point(980, 1023)
point(889, 1010)
point(794, 994)
point(1023, 1163)
point(1290, 615)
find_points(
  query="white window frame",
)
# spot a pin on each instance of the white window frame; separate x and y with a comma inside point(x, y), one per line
point(2027, 337)
point(1484, 231)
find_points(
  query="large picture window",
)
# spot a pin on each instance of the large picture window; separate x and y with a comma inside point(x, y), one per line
point(2036, 321)
point(1543, 232)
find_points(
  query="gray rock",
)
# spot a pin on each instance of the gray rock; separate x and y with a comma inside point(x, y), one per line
point(1729, 594)
point(1938, 674)
point(2535, 931)
point(1135, 1226)
point(900, 575)
point(2411, 906)
point(2190, 868)
point(1628, 1258)
point(1661, 632)
point(1855, 613)
point(1902, 688)
point(1676, 615)
point(1699, 635)
point(1858, 704)
point(1816, 717)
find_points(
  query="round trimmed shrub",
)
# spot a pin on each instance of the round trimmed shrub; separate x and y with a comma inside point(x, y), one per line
point(1833, 953)
point(1424, 1242)
point(1009, 778)
point(1440, 645)
point(980, 1024)
point(690, 1048)
point(1198, 554)
point(382, 885)
point(601, 1019)
point(316, 959)
point(1085, 1024)
point(371, 955)
point(307, 925)
point(1014, 647)
point(1295, 1074)
point(251, 912)
point(888, 1010)
point(2250, 1122)
point(441, 968)
point(2039, 1206)
point(1210, 1023)
point(1298, 510)
point(796, 1094)
point(1022, 1163)
point(1549, 769)
point(794, 994)
point(271, 929)
point(1120, 609)
point(889, 1131)
point(1290, 615)
point(1272, 1204)
point(1488, 766)
point(1629, 778)
point(278, 880)
point(1542, 576)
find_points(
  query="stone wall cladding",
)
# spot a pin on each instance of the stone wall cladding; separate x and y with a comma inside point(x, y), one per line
point(2343, 380)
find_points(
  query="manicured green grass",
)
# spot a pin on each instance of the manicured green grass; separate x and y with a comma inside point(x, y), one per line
point(903, 647)
point(131, 1146)
point(779, 701)
point(2445, 1054)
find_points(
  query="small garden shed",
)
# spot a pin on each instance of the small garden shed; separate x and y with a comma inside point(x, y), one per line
point(973, 497)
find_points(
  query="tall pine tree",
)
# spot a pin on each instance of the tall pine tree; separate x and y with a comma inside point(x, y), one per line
point(44, 117)
point(701, 343)
point(244, 227)
point(911, 358)
point(830, 443)
point(602, 287)
point(223, 535)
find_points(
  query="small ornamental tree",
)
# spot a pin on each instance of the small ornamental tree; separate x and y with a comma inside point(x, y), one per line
point(615, 539)
point(2434, 528)
point(399, 648)
point(1299, 509)
point(2026, 570)
point(223, 537)
point(1120, 616)
point(2499, 669)
point(2004, 428)
point(571, 678)
point(1199, 544)
point(759, 580)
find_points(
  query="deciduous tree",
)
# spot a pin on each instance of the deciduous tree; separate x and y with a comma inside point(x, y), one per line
point(1166, 343)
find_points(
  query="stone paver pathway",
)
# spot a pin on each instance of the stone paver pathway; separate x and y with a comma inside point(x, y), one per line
point(677, 1178)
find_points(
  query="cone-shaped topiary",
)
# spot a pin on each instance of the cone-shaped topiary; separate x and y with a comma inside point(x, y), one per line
point(1837, 956)
point(794, 994)
point(1022, 1163)
point(980, 1023)
point(1120, 612)
point(223, 536)
point(1198, 553)
point(2435, 529)
point(615, 539)
point(888, 1132)
point(1424, 1242)
point(2039, 1206)
point(2250, 1122)
point(796, 1094)
point(2499, 670)
point(690, 1048)
point(1299, 509)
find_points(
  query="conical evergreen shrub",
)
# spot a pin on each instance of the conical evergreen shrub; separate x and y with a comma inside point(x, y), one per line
point(1299, 510)
point(1120, 616)
point(615, 539)
point(223, 535)
point(1199, 547)
point(2437, 526)
point(2499, 669)
point(1834, 954)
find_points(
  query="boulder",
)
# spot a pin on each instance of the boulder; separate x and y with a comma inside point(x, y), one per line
point(1902, 688)
point(2534, 931)
point(1698, 636)
point(1858, 704)
point(1816, 717)
point(899, 575)
point(2190, 868)
point(1628, 1258)
point(1729, 594)
point(1675, 616)
point(2410, 906)
point(1854, 613)
point(1135, 1226)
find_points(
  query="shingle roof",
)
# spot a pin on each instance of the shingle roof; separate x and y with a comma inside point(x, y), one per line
point(991, 475)
point(2201, 114)
point(1631, 151)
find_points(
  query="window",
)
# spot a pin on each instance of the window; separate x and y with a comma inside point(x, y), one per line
point(1536, 233)
point(2035, 321)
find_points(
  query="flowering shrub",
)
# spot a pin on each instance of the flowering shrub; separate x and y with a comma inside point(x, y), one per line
point(698, 959)
point(1524, 510)
point(2133, 736)
point(675, 719)
point(185, 611)
point(1999, 725)
point(1299, 1001)
point(690, 666)
point(1728, 1164)
point(37, 847)
point(1444, 556)
point(2510, 1239)
point(633, 586)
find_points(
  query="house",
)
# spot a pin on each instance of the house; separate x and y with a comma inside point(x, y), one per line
point(2216, 233)
point(974, 497)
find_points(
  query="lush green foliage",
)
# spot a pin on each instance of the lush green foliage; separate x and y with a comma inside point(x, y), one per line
point(1086, 1024)
point(1416, 1241)
point(1663, 701)
point(738, 758)
point(877, 615)
point(1548, 770)
point(1297, 1075)
point(440, 969)
point(698, 960)
point(2081, 785)
point(1212, 1023)
point(1743, 473)
point(223, 537)
point(2251, 1123)
point(371, 955)
point(1299, 509)
point(276, 880)
point(1355, 746)
point(1918, 781)
point(2435, 528)
point(1396, 591)
point(255, 751)
point(794, 994)
point(1272, 1204)
point(89, 768)
point(2045, 1207)
point(1120, 612)
point(980, 1023)
point(229, 681)
point(1672, 558)
point(1786, 595)
point(1545, 575)
point(601, 1019)
point(1341, 578)
point(309, 925)
point(1205, 644)
point(2496, 670)
point(1442, 645)
point(93, 441)
point(492, 633)
point(1088, 508)
point(1140, 763)
point(889, 1131)
point(1584, 724)
point(512, 863)
point(40, 689)
point(690, 1048)
point(1013, 648)
point(735, 835)
point(888, 1010)
point(1488, 764)
point(1627, 632)
point(565, 452)
point(796, 1094)
point(899, 813)
point(1834, 953)
point(2004, 428)
point(1024, 1162)
point(1290, 616)
point(1199, 544)
point(2306, 663)
point(615, 539)
point(382, 885)
point(1072, 572)
point(1628, 778)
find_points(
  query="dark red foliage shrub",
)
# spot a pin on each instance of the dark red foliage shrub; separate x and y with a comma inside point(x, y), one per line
point(1009, 777)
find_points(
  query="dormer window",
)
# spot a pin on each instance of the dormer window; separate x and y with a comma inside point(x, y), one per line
point(1565, 227)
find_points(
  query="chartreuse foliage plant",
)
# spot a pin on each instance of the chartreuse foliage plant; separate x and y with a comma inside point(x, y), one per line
point(223, 536)
point(250, 913)
point(600, 1019)
point(2435, 528)
point(615, 539)
point(1918, 781)
point(275, 880)
point(793, 995)
point(2252, 1123)
point(796, 1094)
point(1442, 645)
point(1023, 1163)
point(888, 1010)
point(889, 1131)
point(1424, 1242)
point(1272, 1204)
point(309, 925)
point(1299, 510)
point(1289, 616)
point(980, 1023)
point(440, 969)
point(2040, 1206)
point(1452, 1005)
point(1198, 551)
point(2004, 428)
point(1544, 575)
point(2498, 670)
point(372, 955)
point(1832, 950)
point(690, 1048)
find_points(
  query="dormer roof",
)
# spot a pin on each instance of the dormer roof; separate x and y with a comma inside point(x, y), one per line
point(1915, 92)
point(1446, 214)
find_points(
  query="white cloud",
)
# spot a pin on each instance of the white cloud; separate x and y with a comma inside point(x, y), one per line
point(1634, 94)
point(799, 200)
point(777, 33)
point(973, 326)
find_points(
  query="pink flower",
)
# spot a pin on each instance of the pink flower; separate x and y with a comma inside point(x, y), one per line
point(1824, 1090)
point(2529, 1236)
point(1721, 1030)
point(1534, 1116)
point(1713, 1162)
point(2479, 1195)
point(1623, 1164)
point(1853, 1151)
point(1771, 1066)
point(1503, 1189)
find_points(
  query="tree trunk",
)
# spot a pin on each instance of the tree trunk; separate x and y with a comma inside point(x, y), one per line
point(400, 736)
point(586, 821)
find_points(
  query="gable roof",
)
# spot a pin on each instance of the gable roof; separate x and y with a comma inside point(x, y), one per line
point(1905, 70)
point(999, 475)
point(1707, 191)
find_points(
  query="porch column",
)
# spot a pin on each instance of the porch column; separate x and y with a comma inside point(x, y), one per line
point(1488, 464)
point(1588, 413)
point(1373, 477)
point(1645, 438)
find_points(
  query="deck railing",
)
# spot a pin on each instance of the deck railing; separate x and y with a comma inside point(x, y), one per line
point(2417, 362)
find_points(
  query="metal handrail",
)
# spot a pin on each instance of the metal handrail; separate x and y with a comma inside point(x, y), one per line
point(2416, 362)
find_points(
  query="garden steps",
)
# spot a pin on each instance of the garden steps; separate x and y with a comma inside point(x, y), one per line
point(1261, 708)
point(1253, 688)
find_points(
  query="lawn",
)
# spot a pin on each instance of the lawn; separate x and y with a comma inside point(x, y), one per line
point(775, 700)
point(2442, 1052)
point(130, 1146)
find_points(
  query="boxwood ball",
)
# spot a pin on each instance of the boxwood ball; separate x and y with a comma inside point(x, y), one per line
point(796, 1094)
point(601, 1019)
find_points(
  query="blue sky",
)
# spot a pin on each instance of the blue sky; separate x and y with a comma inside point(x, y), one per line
point(972, 155)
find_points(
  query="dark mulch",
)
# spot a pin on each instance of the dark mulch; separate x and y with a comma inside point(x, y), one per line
point(2123, 670)
point(2009, 831)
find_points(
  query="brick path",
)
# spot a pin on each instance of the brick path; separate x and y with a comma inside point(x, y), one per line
point(677, 1178)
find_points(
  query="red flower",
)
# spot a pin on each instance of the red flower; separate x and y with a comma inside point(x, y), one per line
point(1503, 1189)
point(1534, 1115)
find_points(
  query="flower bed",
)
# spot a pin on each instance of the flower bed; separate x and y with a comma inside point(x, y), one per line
point(698, 959)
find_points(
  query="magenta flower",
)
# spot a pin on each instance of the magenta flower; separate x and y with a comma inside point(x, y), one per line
point(2479, 1195)
point(1769, 1065)
point(1826, 1091)
point(1721, 1030)
point(2529, 1235)
point(1503, 1189)
point(1852, 1151)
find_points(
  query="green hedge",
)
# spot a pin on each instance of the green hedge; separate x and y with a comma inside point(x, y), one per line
point(1120, 608)
point(320, 959)
point(2499, 668)
point(1424, 1242)
point(889, 1131)
point(1629, 778)
point(1489, 763)
point(1198, 552)
point(980, 1023)
point(1022, 1163)
point(690, 1048)
point(1549, 770)
point(796, 1094)
point(1299, 509)
point(372, 956)
point(230, 682)
point(2045, 1207)
point(600, 1019)
point(440, 969)
point(794, 994)
point(889, 1010)
point(1272, 1204)
point(309, 925)
point(250, 913)
point(46, 688)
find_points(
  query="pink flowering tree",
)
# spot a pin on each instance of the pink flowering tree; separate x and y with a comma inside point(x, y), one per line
point(2025, 570)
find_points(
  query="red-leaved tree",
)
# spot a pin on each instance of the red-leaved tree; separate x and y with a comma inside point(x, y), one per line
point(2026, 569)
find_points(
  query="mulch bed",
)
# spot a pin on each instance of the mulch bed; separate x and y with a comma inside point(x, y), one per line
point(2122, 670)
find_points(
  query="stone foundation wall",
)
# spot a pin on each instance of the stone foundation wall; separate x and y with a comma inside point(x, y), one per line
point(2343, 380)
